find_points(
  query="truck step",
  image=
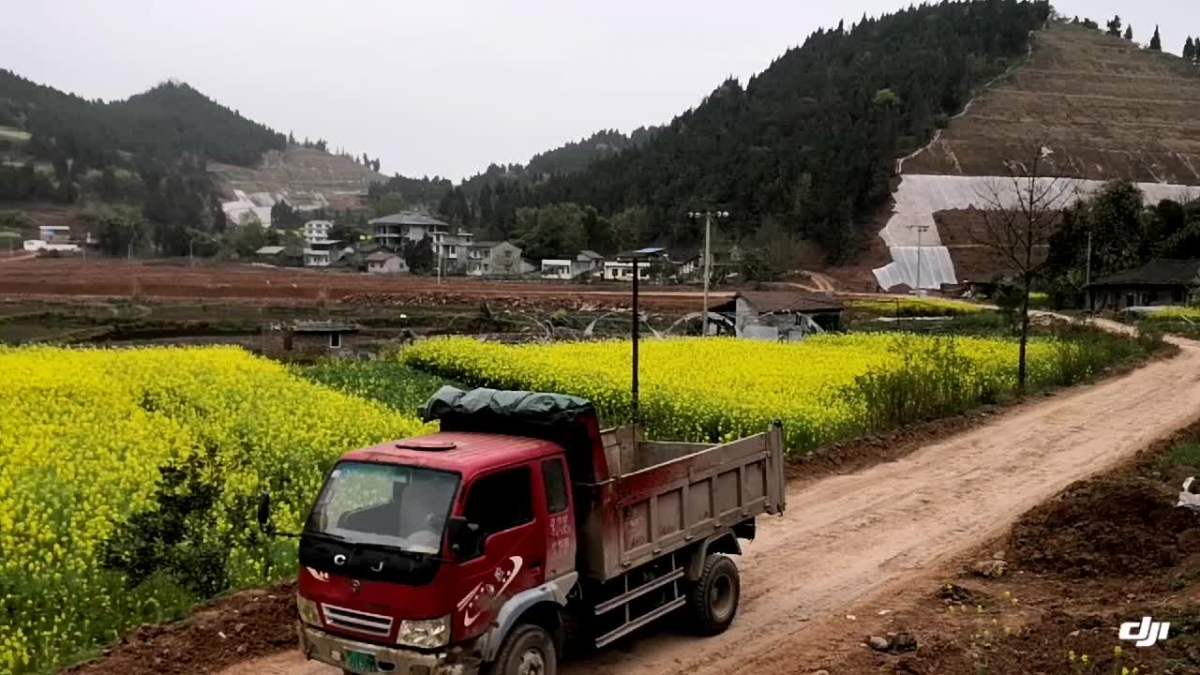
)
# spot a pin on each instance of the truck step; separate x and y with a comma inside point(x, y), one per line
point(639, 622)
point(609, 605)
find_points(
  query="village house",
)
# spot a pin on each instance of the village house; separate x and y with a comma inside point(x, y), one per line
point(781, 316)
point(622, 270)
point(588, 263)
point(280, 255)
point(386, 262)
point(494, 258)
point(392, 231)
point(449, 247)
point(556, 268)
point(324, 252)
point(306, 340)
point(1161, 281)
point(317, 230)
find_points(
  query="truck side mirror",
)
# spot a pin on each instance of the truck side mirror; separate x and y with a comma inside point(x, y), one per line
point(264, 513)
point(466, 538)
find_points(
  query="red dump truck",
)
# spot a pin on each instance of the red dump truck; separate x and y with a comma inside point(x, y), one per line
point(519, 528)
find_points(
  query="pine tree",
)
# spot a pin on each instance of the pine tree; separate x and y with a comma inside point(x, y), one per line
point(1189, 49)
point(1129, 32)
point(1156, 41)
point(1114, 26)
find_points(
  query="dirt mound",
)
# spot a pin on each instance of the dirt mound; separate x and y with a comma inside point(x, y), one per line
point(239, 627)
point(1106, 527)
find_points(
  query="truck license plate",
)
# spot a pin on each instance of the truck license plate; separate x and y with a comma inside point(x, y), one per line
point(360, 662)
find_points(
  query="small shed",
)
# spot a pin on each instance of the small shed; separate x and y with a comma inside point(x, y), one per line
point(386, 262)
point(781, 315)
point(1161, 281)
point(303, 340)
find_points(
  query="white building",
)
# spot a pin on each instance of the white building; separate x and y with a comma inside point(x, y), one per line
point(391, 231)
point(317, 230)
point(615, 270)
point(556, 268)
point(54, 234)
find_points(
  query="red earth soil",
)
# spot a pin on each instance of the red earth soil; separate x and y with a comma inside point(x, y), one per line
point(119, 278)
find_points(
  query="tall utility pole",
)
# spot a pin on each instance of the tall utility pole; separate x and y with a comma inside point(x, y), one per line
point(437, 245)
point(1088, 274)
point(921, 229)
point(637, 258)
point(708, 216)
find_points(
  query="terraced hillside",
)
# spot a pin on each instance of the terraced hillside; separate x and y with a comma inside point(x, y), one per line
point(1102, 106)
point(300, 169)
point(1107, 108)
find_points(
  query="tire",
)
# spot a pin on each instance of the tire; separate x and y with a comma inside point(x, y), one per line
point(714, 598)
point(528, 650)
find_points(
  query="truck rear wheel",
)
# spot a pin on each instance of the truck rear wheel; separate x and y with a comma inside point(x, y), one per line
point(714, 598)
point(528, 650)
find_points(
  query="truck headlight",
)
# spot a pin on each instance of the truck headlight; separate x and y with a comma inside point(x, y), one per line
point(425, 634)
point(309, 613)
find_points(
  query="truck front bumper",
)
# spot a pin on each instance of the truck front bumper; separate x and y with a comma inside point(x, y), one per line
point(321, 646)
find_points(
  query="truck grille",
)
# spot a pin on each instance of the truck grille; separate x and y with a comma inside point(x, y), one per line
point(360, 622)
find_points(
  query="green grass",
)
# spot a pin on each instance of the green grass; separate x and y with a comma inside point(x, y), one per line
point(384, 380)
point(1184, 455)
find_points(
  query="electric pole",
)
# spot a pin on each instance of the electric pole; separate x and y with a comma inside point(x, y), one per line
point(708, 216)
point(921, 229)
point(1087, 284)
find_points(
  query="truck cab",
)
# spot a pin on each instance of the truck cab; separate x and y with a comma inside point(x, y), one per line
point(474, 550)
point(418, 543)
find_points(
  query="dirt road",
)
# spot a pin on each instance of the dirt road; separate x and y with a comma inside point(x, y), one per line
point(849, 541)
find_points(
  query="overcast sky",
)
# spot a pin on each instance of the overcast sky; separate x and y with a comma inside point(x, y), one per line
point(448, 86)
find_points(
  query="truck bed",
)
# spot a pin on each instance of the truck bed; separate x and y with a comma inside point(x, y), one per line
point(662, 497)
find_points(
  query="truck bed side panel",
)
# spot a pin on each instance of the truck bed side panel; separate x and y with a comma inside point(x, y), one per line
point(649, 513)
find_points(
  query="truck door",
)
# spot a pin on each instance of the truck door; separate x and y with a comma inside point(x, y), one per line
point(560, 519)
point(501, 503)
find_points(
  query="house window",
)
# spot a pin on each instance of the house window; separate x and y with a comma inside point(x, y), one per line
point(335, 340)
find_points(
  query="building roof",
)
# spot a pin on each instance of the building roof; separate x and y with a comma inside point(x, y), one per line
point(491, 243)
point(585, 254)
point(269, 250)
point(1157, 272)
point(409, 218)
point(776, 302)
point(381, 256)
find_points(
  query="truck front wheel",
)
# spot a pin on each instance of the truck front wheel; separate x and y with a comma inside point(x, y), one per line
point(528, 650)
point(714, 598)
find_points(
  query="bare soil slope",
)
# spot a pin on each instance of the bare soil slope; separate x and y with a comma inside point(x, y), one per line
point(301, 169)
point(861, 538)
point(1107, 108)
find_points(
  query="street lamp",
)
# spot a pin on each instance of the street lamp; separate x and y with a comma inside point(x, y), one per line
point(708, 216)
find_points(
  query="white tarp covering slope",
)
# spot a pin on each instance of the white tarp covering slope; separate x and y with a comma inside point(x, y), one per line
point(920, 196)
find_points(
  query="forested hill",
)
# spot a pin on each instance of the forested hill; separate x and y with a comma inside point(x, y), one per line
point(811, 142)
point(578, 155)
point(166, 122)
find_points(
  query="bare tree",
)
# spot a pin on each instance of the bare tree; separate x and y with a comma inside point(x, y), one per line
point(1019, 215)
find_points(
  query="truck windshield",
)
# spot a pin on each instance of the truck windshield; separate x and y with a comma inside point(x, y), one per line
point(403, 507)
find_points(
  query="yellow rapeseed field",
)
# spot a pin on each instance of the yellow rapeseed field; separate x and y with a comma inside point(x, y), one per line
point(824, 389)
point(128, 480)
point(915, 306)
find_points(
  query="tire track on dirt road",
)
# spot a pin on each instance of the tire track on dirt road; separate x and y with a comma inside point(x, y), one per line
point(853, 539)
